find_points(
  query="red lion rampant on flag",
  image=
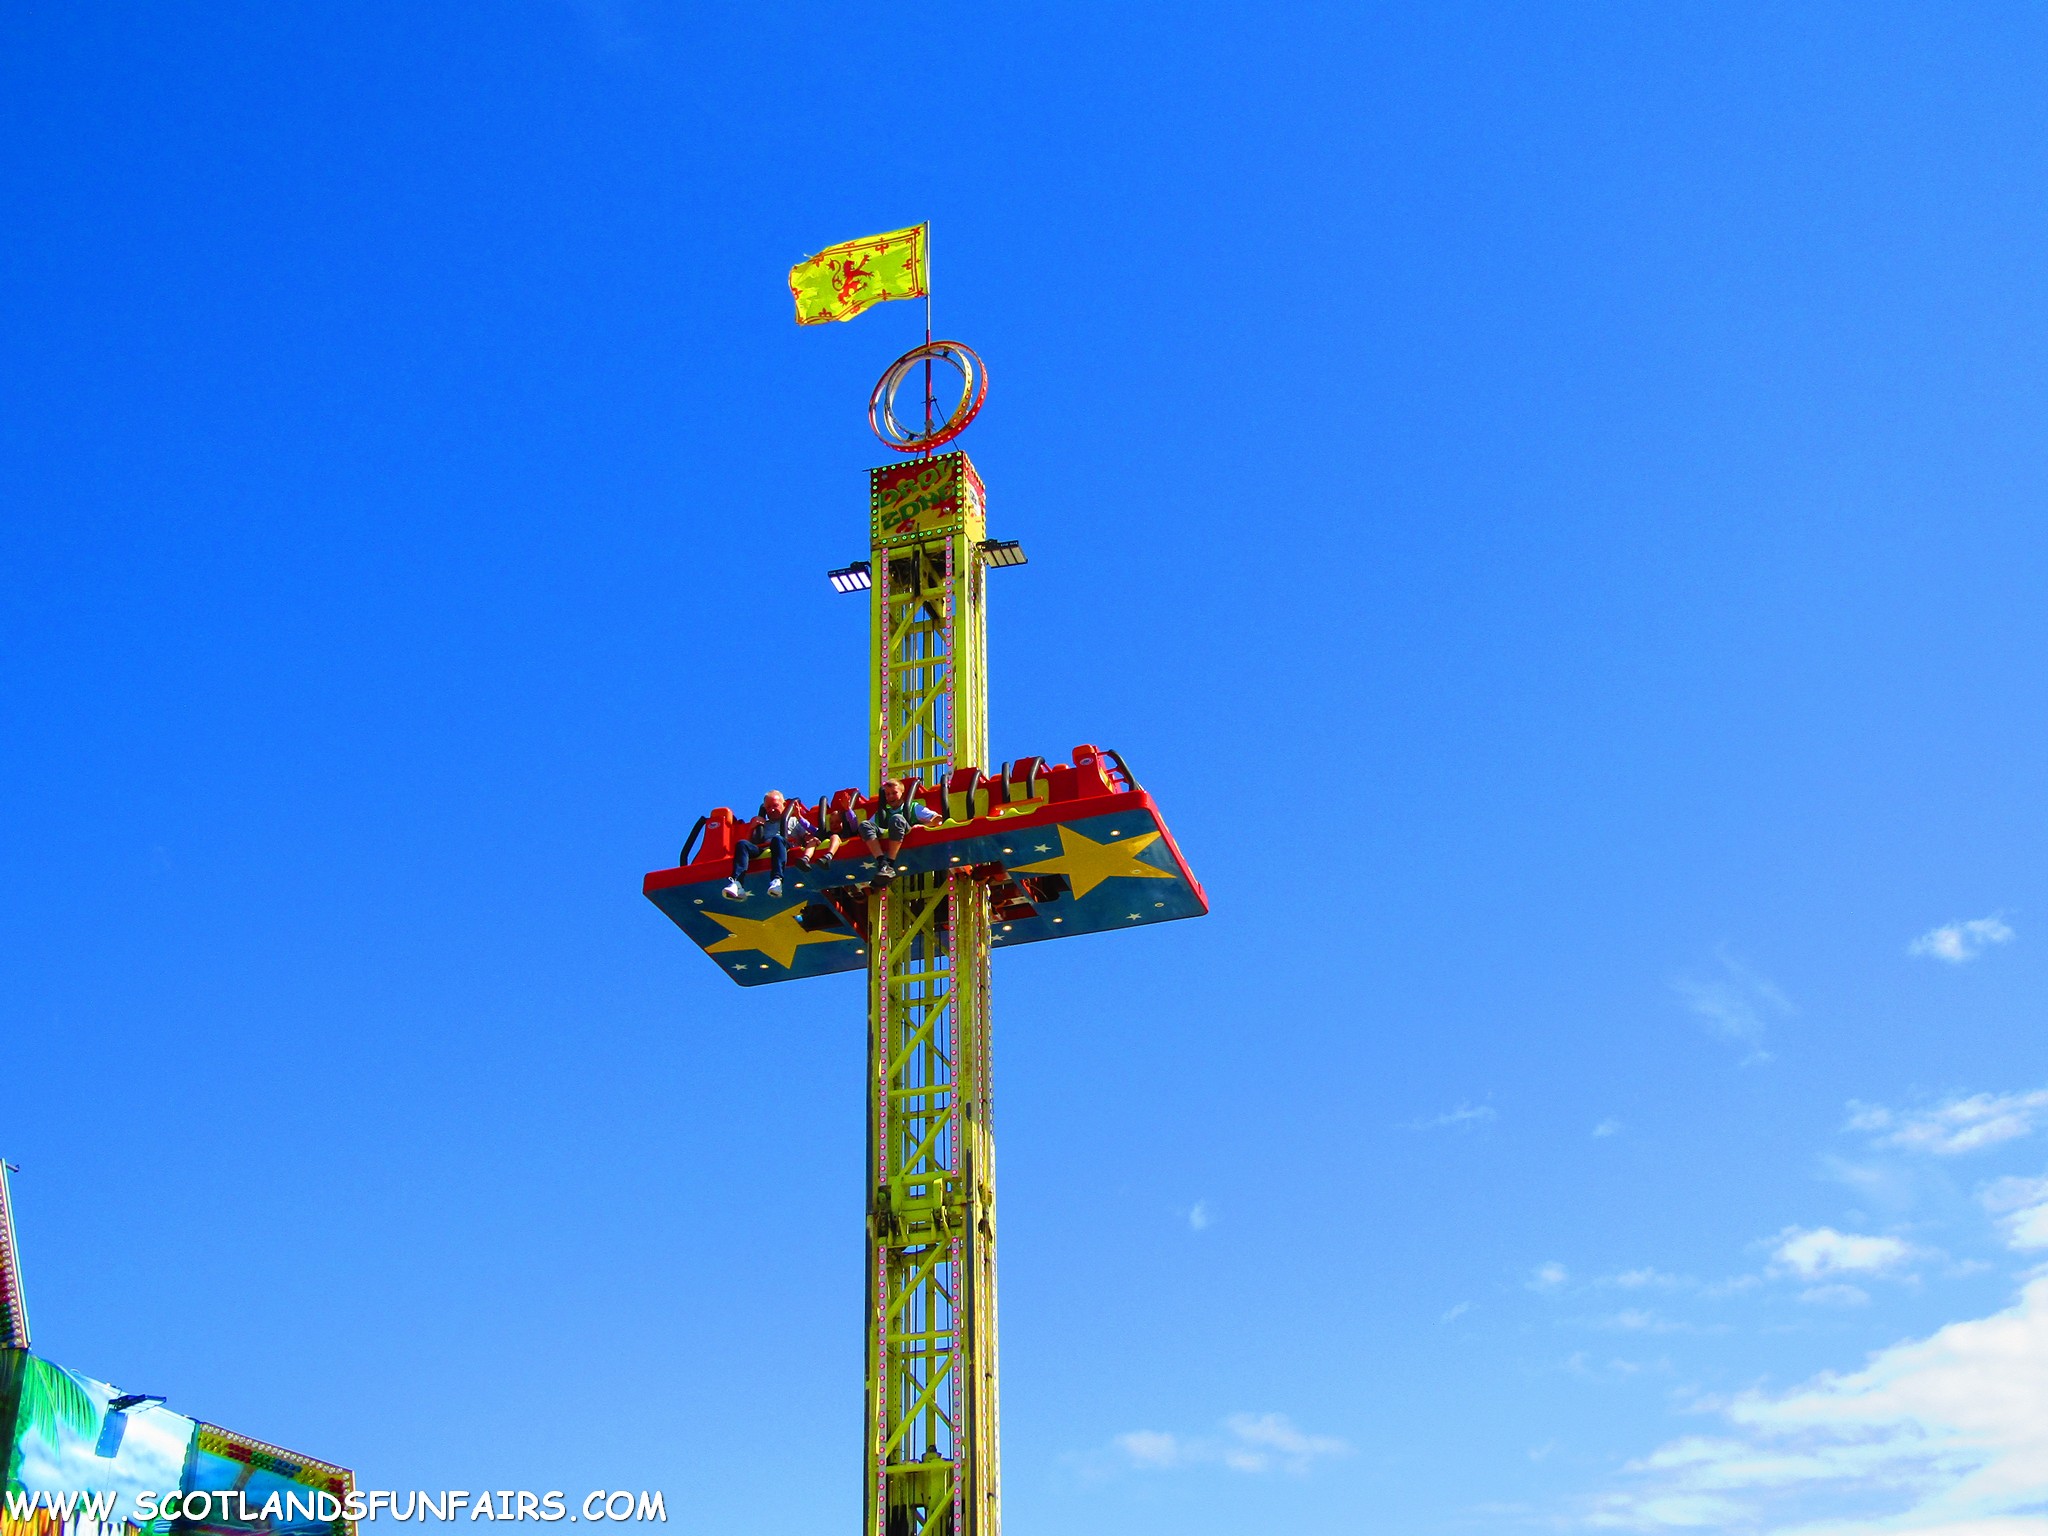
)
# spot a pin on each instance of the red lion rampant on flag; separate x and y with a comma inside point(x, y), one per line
point(850, 276)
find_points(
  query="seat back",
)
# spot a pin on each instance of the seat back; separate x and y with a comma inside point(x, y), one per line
point(965, 798)
point(719, 835)
point(1023, 781)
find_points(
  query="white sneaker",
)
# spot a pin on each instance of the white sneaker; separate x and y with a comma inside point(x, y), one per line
point(733, 891)
point(775, 886)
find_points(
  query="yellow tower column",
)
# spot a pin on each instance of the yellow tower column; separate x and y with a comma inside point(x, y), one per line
point(930, 1442)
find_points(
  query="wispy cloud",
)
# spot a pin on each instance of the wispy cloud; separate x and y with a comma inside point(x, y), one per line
point(1821, 1257)
point(1150, 1447)
point(1641, 1320)
point(1548, 1277)
point(1607, 1128)
point(1955, 1125)
point(1456, 1312)
point(1648, 1279)
point(1835, 1294)
point(1464, 1118)
point(1943, 1435)
point(1249, 1442)
point(1820, 1252)
point(1883, 1182)
point(2021, 1208)
point(1962, 941)
point(1200, 1217)
point(1268, 1440)
point(1579, 1363)
point(1638, 1279)
point(1736, 1002)
point(1946, 1434)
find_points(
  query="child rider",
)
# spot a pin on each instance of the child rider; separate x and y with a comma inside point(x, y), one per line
point(895, 813)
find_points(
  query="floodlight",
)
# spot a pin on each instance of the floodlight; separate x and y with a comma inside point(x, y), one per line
point(1002, 552)
point(128, 1400)
point(857, 577)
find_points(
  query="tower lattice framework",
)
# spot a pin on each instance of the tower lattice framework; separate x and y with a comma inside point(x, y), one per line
point(931, 1442)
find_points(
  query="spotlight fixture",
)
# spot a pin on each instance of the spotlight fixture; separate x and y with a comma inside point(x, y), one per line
point(857, 577)
point(1002, 552)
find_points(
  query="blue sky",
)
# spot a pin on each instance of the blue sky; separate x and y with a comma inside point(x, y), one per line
point(1548, 498)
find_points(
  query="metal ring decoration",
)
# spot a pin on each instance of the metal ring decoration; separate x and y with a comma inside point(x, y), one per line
point(889, 427)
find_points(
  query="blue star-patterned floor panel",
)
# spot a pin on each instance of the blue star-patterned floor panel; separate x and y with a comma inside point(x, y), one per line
point(1053, 871)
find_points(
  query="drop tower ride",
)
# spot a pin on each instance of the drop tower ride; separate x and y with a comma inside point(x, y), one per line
point(1023, 851)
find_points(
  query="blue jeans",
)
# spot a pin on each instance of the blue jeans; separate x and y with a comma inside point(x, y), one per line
point(775, 845)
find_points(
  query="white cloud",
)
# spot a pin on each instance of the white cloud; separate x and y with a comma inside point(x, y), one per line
point(1648, 1278)
point(1642, 1320)
point(1958, 1125)
point(1463, 1118)
point(1737, 1003)
point(1836, 1295)
point(1200, 1216)
point(1637, 1279)
point(1607, 1128)
point(1150, 1448)
point(1734, 1285)
point(1822, 1251)
point(2021, 1206)
point(1942, 1436)
point(1263, 1441)
point(1961, 941)
point(1581, 1364)
point(1250, 1442)
point(1885, 1183)
point(1456, 1312)
point(1548, 1277)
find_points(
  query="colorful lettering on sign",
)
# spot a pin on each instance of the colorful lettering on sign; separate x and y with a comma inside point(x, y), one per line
point(911, 495)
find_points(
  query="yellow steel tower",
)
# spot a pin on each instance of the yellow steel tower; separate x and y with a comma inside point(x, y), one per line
point(931, 1429)
point(1031, 852)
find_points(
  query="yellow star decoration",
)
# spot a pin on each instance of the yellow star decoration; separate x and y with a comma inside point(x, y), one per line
point(778, 937)
point(1087, 863)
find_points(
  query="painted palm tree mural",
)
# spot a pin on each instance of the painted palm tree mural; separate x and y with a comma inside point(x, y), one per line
point(51, 1405)
point(80, 1451)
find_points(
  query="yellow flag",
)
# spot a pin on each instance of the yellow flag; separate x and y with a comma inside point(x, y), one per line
point(842, 280)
